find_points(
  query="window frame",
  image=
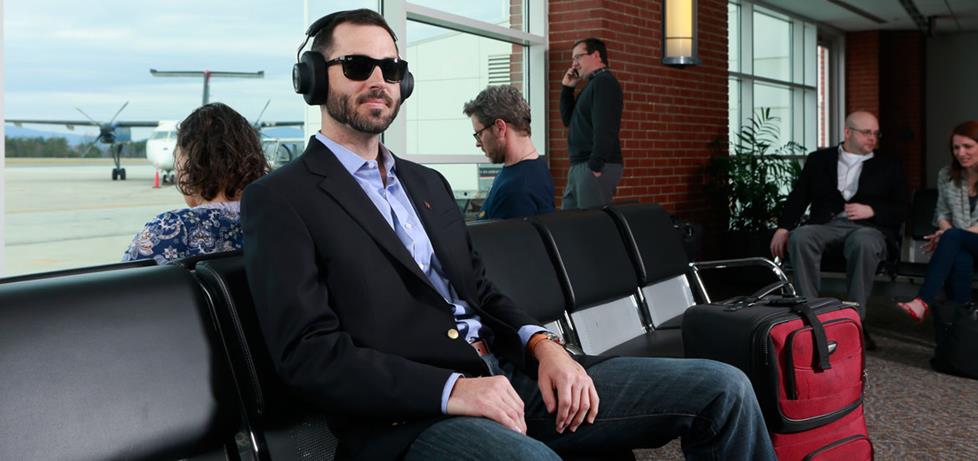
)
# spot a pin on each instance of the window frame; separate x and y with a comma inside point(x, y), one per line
point(802, 31)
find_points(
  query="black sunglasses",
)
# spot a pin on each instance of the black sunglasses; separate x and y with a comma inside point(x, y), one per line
point(358, 67)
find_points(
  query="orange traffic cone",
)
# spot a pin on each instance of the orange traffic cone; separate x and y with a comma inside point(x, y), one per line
point(156, 181)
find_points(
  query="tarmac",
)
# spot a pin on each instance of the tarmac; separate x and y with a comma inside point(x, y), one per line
point(69, 213)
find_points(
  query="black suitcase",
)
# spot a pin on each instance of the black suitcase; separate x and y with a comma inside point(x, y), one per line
point(804, 358)
point(956, 335)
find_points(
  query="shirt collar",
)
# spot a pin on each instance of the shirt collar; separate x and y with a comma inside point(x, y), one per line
point(352, 162)
point(853, 158)
point(597, 72)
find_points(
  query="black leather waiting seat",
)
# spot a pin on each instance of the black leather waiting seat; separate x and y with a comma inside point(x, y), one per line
point(282, 428)
point(120, 364)
point(82, 270)
point(660, 261)
point(601, 285)
point(919, 225)
point(517, 262)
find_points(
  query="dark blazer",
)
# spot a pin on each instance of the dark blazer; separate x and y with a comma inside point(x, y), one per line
point(353, 324)
point(882, 186)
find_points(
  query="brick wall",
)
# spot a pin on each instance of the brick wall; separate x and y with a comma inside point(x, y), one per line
point(862, 72)
point(671, 115)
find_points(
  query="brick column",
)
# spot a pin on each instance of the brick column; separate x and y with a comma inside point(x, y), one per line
point(671, 115)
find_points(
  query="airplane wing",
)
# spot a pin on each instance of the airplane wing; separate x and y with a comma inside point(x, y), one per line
point(137, 124)
point(71, 124)
point(274, 124)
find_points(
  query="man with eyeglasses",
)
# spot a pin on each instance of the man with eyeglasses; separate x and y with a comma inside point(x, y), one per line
point(376, 309)
point(593, 121)
point(523, 187)
point(858, 202)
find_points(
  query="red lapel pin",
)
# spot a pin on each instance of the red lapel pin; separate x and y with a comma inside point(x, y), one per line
point(427, 205)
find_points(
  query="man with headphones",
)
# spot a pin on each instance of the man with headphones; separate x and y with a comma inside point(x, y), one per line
point(376, 309)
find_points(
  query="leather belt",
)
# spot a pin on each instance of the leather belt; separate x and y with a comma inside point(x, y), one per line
point(481, 347)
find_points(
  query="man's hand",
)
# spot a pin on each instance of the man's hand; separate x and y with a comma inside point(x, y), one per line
point(490, 397)
point(857, 211)
point(565, 387)
point(779, 242)
point(570, 78)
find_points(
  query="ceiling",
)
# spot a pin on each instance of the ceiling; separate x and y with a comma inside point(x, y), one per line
point(935, 16)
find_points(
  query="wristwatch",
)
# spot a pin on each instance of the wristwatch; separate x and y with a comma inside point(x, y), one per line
point(551, 336)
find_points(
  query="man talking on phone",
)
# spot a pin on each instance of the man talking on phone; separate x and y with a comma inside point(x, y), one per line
point(593, 120)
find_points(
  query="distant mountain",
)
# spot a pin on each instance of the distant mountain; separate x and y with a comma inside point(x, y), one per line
point(13, 131)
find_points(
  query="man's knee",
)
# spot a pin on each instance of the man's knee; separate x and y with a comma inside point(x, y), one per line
point(473, 438)
point(730, 380)
point(803, 238)
point(867, 242)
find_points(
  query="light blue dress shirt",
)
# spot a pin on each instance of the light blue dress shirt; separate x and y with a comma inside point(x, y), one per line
point(394, 205)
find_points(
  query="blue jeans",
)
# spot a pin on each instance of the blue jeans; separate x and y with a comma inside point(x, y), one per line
point(953, 262)
point(645, 402)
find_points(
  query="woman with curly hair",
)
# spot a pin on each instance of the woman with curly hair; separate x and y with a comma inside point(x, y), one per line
point(218, 153)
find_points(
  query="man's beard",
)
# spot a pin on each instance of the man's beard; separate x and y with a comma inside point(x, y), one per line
point(339, 107)
point(496, 155)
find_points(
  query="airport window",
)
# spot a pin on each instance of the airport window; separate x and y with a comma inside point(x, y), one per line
point(772, 64)
point(444, 80)
point(457, 49)
point(62, 207)
point(772, 47)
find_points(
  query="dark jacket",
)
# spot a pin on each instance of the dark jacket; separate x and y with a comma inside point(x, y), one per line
point(882, 186)
point(593, 120)
point(353, 325)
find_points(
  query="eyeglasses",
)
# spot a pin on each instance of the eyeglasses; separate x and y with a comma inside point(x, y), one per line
point(478, 133)
point(867, 132)
point(578, 56)
point(358, 67)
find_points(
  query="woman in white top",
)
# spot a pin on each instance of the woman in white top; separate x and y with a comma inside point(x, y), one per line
point(955, 244)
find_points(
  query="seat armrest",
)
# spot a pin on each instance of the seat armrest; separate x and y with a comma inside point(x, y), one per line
point(695, 267)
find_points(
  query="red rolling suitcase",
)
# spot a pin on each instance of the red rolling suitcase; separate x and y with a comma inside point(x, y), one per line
point(805, 360)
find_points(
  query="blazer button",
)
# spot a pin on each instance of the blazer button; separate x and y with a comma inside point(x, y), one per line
point(452, 333)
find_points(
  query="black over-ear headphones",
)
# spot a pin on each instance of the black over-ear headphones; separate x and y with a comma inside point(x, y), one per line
point(309, 76)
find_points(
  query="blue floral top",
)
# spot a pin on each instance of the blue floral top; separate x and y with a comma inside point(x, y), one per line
point(177, 234)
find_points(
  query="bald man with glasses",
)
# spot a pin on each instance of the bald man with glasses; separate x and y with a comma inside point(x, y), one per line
point(858, 202)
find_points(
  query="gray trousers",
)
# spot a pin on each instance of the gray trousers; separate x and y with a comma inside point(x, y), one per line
point(584, 190)
point(864, 248)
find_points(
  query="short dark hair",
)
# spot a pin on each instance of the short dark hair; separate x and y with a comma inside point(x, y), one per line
point(968, 129)
point(323, 41)
point(592, 44)
point(501, 102)
point(219, 151)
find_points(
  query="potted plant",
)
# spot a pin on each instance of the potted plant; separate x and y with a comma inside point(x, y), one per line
point(753, 179)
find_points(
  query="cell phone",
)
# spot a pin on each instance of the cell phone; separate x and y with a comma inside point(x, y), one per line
point(574, 73)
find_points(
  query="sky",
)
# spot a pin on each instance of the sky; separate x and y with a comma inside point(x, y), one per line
point(96, 56)
point(63, 54)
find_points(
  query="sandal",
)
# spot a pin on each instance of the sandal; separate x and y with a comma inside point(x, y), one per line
point(916, 308)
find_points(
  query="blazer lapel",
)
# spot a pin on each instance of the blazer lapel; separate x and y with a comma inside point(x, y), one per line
point(346, 191)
